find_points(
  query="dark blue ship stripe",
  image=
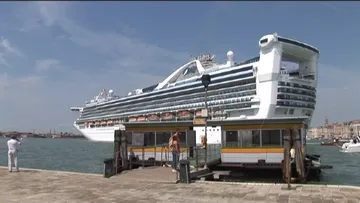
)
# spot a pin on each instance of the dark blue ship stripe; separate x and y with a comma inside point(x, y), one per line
point(197, 84)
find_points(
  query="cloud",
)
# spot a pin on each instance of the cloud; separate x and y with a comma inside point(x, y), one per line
point(111, 44)
point(18, 88)
point(43, 100)
point(3, 60)
point(329, 5)
point(6, 49)
point(46, 64)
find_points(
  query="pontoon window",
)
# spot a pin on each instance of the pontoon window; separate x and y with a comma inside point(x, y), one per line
point(149, 139)
point(270, 138)
point(129, 138)
point(242, 138)
point(250, 138)
point(162, 138)
point(232, 139)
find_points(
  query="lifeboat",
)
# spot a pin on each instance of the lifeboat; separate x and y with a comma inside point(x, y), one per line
point(153, 117)
point(185, 114)
point(103, 122)
point(198, 113)
point(90, 123)
point(167, 116)
point(97, 123)
point(110, 122)
point(133, 119)
point(141, 118)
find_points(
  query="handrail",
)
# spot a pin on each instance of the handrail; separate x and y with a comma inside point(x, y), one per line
point(194, 154)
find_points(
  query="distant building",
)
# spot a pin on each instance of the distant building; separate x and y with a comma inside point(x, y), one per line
point(335, 130)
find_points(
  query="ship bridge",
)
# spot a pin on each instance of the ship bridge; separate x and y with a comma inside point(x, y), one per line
point(295, 50)
point(298, 56)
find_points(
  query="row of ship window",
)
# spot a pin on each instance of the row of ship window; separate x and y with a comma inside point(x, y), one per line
point(295, 104)
point(215, 100)
point(218, 108)
point(225, 93)
point(199, 102)
point(299, 98)
point(191, 100)
point(190, 104)
point(296, 91)
point(161, 97)
point(289, 84)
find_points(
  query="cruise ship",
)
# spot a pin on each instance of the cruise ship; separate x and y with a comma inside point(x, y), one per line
point(280, 82)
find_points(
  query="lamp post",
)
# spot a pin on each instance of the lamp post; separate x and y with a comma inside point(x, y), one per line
point(206, 80)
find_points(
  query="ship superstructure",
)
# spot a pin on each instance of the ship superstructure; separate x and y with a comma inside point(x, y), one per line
point(280, 82)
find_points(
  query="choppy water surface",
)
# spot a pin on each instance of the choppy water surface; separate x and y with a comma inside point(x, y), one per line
point(80, 155)
point(77, 155)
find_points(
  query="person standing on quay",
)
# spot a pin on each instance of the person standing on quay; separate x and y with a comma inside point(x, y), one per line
point(13, 145)
point(175, 147)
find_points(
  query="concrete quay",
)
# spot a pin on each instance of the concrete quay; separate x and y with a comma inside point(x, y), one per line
point(41, 186)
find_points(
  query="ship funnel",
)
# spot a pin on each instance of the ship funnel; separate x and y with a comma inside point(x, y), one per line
point(230, 56)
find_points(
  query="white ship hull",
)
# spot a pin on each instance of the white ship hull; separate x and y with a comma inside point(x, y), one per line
point(103, 134)
point(106, 134)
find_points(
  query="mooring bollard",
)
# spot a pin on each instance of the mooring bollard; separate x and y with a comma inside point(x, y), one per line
point(184, 171)
point(108, 168)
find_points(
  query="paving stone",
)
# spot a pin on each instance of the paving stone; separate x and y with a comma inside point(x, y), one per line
point(37, 186)
point(328, 201)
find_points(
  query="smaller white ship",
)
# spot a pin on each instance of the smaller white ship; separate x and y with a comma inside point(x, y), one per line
point(352, 146)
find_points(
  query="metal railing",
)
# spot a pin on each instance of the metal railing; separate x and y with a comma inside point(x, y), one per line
point(198, 158)
point(162, 155)
point(153, 155)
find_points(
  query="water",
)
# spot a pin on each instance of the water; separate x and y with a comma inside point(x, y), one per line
point(77, 155)
point(346, 165)
point(80, 155)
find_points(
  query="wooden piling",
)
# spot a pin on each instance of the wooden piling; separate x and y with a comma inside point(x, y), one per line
point(292, 139)
point(299, 156)
point(123, 150)
point(287, 159)
point(117, 141)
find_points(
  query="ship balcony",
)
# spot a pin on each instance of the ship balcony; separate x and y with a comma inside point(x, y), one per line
point(296, 85)
point(200, 99)
point(294, 104)
point(295, 98)
point(295, 75)
point(172, 104)
point(199, 105)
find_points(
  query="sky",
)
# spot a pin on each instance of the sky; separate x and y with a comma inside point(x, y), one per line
point(54, 55)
